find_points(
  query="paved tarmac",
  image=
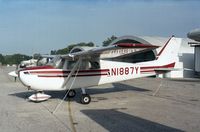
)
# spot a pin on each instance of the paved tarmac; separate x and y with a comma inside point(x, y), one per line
point(140, 105)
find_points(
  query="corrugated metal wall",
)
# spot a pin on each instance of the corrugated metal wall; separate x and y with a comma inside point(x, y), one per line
point(197, 59)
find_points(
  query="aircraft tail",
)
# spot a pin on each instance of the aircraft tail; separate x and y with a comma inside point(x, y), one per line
point(169, 52)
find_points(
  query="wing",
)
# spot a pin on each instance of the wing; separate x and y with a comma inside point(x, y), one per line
point(111, 51)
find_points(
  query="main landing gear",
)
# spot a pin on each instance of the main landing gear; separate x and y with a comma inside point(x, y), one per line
point(85, 98)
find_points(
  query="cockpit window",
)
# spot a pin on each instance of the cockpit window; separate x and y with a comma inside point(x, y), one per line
point(85, 64)
point(71, 64)
point(43, 61)
point(94, 65)
point(55, 62)
point(62, 63)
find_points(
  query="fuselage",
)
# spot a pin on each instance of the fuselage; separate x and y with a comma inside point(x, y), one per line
point(52, 79)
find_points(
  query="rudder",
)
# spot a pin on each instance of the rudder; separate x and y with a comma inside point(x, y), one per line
point(169, 52)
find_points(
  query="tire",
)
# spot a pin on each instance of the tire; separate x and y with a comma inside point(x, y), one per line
point(71, 94)
point(85, 99)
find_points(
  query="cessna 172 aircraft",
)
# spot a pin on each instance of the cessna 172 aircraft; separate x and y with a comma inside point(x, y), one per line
point(96, 66)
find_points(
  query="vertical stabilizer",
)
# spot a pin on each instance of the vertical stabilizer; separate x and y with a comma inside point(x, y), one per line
point(169, 52)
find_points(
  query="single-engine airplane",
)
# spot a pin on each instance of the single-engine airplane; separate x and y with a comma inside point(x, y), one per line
point(81, 69)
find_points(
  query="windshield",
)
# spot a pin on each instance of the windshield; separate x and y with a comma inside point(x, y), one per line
point(43, 61)
point(56, 62)
point(61, 63)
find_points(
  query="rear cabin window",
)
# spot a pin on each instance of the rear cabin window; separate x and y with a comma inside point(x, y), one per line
point(85, 65)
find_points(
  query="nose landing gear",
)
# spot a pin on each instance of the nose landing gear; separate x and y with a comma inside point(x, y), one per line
point(85, 98)
point(39, 96)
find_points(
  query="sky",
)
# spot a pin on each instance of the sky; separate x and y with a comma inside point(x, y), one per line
point(39, 26)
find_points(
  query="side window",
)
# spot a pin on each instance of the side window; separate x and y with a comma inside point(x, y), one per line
point(60, 63)
point(94, 65)
point(71, 64)
point(85, 65)
point(89, 64)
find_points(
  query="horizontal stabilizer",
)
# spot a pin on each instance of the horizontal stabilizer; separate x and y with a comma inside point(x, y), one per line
point(166, 69)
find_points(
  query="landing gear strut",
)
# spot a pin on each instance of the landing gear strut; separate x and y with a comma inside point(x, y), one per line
point(85, 98)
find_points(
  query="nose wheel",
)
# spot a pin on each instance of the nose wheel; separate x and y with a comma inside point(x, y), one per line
point(39, 96)
point(85, 98)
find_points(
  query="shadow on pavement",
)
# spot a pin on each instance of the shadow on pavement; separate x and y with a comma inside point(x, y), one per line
point(115, 121)
point(117, 87)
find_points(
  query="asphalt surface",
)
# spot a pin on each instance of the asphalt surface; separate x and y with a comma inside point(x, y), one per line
point(140, 105)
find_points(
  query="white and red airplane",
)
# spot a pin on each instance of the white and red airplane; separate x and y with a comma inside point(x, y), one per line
point(81, 69)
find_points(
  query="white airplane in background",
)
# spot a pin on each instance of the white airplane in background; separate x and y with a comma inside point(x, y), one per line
point(23, 64)
point(95, 67)
point(43, 60)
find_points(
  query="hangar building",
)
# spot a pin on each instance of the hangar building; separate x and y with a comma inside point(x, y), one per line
point(185, 64)
point(195, 35)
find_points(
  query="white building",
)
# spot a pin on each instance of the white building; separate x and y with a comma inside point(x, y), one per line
point(195, 35)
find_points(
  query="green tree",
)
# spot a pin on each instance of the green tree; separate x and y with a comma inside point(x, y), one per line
point(109, 40)
point(53, 52)
point(36, 56)
point(70, 47)
point(2, 59)
point(16, 58)
point(62, 51)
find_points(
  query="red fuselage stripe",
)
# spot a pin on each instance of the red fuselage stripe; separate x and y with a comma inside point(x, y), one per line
point(86, 75)
point(147, 71)
point(164, 66)
point(66, 72)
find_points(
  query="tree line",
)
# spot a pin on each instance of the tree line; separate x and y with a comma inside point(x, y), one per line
point(90, 44)
point(17, 58)
point(13, 59)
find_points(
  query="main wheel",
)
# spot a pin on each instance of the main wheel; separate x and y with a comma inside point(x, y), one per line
point(85, 99)
point(71, 93)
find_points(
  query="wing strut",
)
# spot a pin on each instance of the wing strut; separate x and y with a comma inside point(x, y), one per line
point(71, 73)
point(77, 66)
